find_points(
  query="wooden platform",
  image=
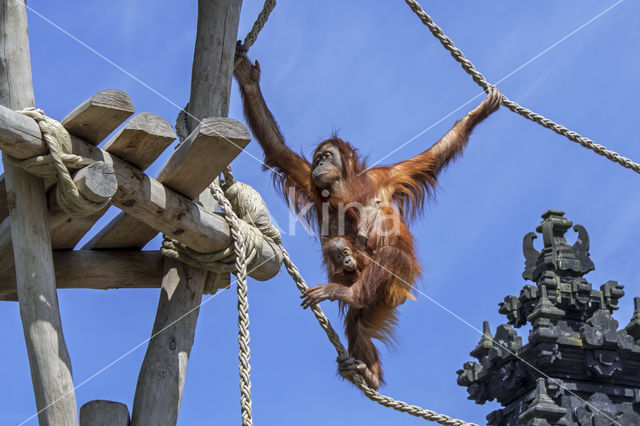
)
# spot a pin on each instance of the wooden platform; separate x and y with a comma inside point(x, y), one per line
point(165, 204)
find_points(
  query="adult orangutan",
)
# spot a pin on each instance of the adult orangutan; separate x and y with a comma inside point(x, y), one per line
point(361, 214)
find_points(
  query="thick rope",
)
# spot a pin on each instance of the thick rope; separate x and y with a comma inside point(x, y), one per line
point(252, 36)
point(244, 352)
point(57, 163)
point(470, 69)
point(370, 393)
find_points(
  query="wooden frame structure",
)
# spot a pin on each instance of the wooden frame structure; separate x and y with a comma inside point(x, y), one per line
point(37, 237)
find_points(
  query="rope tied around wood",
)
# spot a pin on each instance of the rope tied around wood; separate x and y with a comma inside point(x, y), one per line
point(254, 224)
point(470, 69)
point(57, 164)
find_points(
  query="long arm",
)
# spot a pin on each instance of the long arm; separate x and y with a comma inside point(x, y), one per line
point(434, 159)
point(291, 169)
point(415, 177)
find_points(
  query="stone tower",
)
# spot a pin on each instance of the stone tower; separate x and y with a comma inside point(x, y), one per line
point(578, 368)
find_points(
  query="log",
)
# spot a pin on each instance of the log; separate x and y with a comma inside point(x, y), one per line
point(163, 372)
point(124, 231)
point(96, 182)
point(98, 116)
point(162, 375)
point(160, 207)
point(191, 168)
point(205, 153)
point(98, 270)
point(4, 207)
point(104, 413)
point(140, 141)
point(49, 359)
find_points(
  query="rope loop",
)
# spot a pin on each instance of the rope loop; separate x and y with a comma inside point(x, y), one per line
point(57, 164)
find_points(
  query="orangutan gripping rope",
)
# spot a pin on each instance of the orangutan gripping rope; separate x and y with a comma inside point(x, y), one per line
point(361, 214)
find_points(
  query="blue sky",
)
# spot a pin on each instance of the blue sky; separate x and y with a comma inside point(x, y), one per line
point(373, 72)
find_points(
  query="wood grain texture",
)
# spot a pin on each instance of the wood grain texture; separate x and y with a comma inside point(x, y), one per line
point(49, 359)
point(204, 155)
point(123, 231)
point(141, 140)
point(96, 182)
point(104, 413)
point(98, 116)
point(162, 375)
point(98, 270)
point(4, 206)
point(162, 208)
point(189, 171)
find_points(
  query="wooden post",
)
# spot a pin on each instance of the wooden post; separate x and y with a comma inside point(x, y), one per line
point(162, 376)
point(104, 413)
point(48, 356)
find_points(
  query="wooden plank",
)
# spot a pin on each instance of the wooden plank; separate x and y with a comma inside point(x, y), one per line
point(4, 206)
point(141, 140)
point(49, 359)
point(99, 270)
point(203, 155)
point(118, 234)
point(162, 208)
point(104, 413)
point(98, 116)
point(191, 168)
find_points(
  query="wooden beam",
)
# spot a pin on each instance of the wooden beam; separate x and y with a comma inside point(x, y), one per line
point(140, 141)
point(191, 168)
point(49, 359)
point(96, 182)
point(159, 390)
point(158, 206)
point(98, 270)
point(205, 153)
point(99, 115)
point(104, 413)
point(124, 231)
point(4, 206)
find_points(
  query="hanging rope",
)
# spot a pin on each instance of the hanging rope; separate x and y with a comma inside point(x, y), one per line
point(252, 36)
point(57, 163)
point(244, 352)
point(470, 69)
point(250, 227)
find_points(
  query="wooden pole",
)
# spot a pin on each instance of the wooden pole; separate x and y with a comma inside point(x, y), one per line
point(104, 413)
point(161, 380)
point(48, 356)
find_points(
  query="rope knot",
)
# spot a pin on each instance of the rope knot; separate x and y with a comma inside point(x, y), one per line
point(57, 164)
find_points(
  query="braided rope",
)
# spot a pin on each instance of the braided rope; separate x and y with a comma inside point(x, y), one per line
point(470, 69)
point(244, 352)
point(262, 18)
point(370, 393)
point(57, 163)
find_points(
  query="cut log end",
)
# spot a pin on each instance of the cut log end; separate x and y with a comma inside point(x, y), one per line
point(97, 182)
point(104, 413)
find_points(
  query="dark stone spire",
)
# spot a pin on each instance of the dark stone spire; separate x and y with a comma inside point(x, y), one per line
point(577, 368)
